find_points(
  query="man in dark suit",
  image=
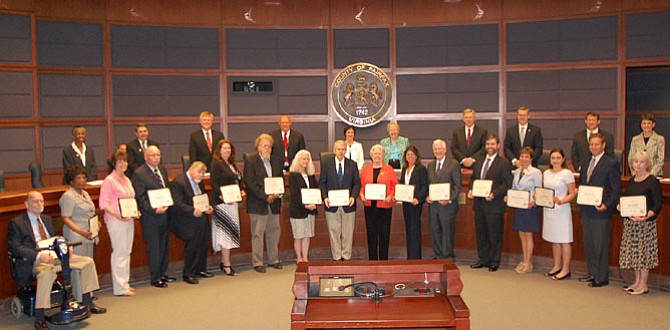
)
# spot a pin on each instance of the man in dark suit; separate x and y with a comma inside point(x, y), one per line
point(136, 147)
point(287, 141)
point(523, 135)
point(77, 153)
point(580, 143)
point(600, 170)
point(467, 141)
point(24, 232)
point(442, 214)
point(203, 141)
point(490, 210)
point(263, 209)
point(154, 221)
point(340, 219)
point(190, 223)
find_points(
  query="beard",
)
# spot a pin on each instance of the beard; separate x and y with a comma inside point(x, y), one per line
point(264, 154)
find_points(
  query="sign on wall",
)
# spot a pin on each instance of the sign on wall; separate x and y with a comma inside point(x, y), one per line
point(362, 94)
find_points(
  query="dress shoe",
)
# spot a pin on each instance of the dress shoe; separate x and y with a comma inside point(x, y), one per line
point(205, 274)
point(276, 266)
point(596, 284)
point(191, 280)
point(41, 324)
point(556, 278)
point(477, 265)
point(493, 268)
point(259, 269)
point(550, 273)
point(635, 293)
point(168, 279)
point(230, 272)
point(589, 278)
point(159, 284)
point(95, 309)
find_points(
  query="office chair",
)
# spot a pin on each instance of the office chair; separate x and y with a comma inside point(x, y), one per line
point(35, 175)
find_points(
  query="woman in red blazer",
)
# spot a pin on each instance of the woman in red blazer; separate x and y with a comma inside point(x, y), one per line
point(378, 210)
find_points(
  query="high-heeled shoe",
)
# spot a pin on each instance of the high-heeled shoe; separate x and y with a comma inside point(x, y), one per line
point(566, 276)
point(232, 272)
point(550, 273)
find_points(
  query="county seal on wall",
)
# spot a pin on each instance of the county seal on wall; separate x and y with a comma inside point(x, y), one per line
point(362, 94)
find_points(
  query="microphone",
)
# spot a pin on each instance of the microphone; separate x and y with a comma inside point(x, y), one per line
point(376, 293)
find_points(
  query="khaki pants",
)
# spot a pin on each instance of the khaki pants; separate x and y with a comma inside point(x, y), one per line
point(267, 225)
point(341, 232)
point(46, 275)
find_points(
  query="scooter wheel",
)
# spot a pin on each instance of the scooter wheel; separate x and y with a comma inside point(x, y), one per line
point(17, 308)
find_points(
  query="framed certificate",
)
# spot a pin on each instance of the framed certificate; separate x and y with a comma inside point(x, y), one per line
point(311, 196)
point(439, 191)
point(231, 193)
point(94, 226)
point(590, 195)
point(518, 199)
point(633, 206)
point(482, 188)
point(544, 197)
point(128, 208)
point(404, 192)
point(160, 197)
point(375, 191)
point(338, 197)
point(274, 185)
point(201, 202)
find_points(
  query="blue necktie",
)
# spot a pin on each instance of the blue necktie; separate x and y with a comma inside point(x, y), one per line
point(339, 174)
point(486, 168)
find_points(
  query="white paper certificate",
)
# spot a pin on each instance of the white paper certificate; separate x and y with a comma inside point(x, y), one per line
point(518, 199)
point(338, 197)
point(94, 226)
point(590, 195)
point(231, 193)
point(375, 191)
point(201, 202)
point(439, 191)
point(311, 196)
point(274, 185)
point(160, 197)
point(482, 188)
point(403, 192)
point(128, 208)
point(45, 244)
point(633, 206)
point(544, 197)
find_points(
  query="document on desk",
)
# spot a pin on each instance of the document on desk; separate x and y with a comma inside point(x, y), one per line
point(160, 197)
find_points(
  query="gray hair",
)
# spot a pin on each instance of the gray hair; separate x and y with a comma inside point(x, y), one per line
point(295, 166)
point(643, 156)
point(377, 146)
point(440, 141)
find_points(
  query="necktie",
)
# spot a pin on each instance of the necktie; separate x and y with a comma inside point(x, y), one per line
point(285, 148)
point(469, 135)
point(486, 168)
point(144, 145)
point(439, 167)
point(209, 141)
point(158, 177)
point(592, 164)
point(522, 134)
point(588, 136)
point(340, 175)
point(43, 231)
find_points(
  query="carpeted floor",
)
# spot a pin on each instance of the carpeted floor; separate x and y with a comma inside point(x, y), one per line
point(501, 300)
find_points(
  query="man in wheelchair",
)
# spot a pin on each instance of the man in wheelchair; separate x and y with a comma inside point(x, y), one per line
point(24, 233)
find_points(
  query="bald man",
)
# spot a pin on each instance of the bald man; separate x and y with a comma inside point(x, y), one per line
point(287, 141)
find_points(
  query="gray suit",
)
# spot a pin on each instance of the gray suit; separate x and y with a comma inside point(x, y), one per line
point(442, 218)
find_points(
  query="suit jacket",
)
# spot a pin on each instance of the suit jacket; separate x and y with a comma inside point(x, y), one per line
point(221, 175)
point(580, 147)
point(295, 183)
point(533, 139)
point(182, 220)
point(500, 171)
point(197, 146)
point(449, 173)
point(254, 176)
point(386, 176)
point(418, 178)
point(459, 143)
point(350, 180)
point(22, 245)
point(136, 155)
point(71, 157)
point(296, 142)
point(655, 148)
point(606, 174)
point(143, 181)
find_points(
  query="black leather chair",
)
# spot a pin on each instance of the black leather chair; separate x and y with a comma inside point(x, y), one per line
point(618, 155)
point(35, 175)
point(544, 162)
point(326, 156)
point(186, 162)
point(2, 180)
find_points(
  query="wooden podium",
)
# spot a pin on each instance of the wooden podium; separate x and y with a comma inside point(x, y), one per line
point(434, 300)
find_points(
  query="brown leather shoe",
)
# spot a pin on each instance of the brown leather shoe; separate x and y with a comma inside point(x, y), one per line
point(95, 309)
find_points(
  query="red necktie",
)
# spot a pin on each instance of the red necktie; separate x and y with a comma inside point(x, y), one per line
point(285, 148)
point(469, 136)
point(209, 141)
point(43, 231)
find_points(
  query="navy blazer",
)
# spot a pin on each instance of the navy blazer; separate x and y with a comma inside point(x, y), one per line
point(71, 157)
point(23, 246)
point(580, 147)
point(143, 181)
point(533, 139)
point(181, 213)
point(500, 171)
point(350, 180)
point(449, 173)
point(136, 155)
point(459, 143)
point(606, 174)
point(197, 146)
point(295, 183)
point(419, 179)
point(254, 176)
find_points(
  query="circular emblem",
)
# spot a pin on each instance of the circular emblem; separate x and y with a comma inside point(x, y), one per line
point(362, 94)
